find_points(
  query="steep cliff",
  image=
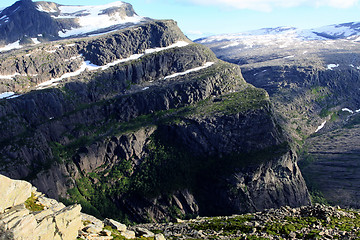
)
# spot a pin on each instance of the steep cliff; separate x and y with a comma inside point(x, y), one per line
point(142, 124)
point(313, 82)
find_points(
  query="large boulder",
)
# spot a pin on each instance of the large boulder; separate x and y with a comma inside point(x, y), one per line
point(20, 220)
point(13, 192)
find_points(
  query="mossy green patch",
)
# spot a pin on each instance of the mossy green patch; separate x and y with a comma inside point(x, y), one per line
point(32, 205)
point(229, 226)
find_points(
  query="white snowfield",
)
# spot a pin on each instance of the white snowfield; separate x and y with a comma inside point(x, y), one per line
point(11, 46)
point(320, 127)
point(347, 110)
point(87, 65)
point(286, 36)
point(350, 111)
point(206, 65)
point(9, 76)
point(91, 18)
point(332, 66)
point(35, 41)
point(6, 95)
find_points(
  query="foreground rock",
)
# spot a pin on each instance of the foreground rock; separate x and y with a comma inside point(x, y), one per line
point(27, 214)
point(12, 192)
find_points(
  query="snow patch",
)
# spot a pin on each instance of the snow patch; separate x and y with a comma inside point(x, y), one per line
point(41, 9)
point(92, 18)
point(320, 127)
point(336, 30)
point(9, 76)
point(332, 66)
point(87, 65)
point(14, 96)
point(35, 41)
point(177, 44)
point(232, 45)
point(347, 110)
point(11, 46)
point(292, 56)
point(83, 67)
point(6, 95)
point(208, 64)
point(145, 88)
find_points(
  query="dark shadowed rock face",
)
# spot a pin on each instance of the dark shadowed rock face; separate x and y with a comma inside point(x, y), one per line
point(23, 19)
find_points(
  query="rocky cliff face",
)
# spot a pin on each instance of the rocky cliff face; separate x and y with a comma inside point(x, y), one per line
point(313, 84)
point(144, 125)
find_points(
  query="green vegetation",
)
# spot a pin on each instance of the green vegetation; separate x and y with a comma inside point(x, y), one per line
point(325, 112)
point(32, 205)
point(229, 226)
point(317, 197)
point(248, 99)
point(320, 93)
point(279, 226)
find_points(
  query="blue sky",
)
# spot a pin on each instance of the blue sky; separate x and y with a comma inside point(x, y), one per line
point(208, 17)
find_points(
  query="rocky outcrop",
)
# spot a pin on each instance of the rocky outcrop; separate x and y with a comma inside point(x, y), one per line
point(13, 193)
point(33, 216)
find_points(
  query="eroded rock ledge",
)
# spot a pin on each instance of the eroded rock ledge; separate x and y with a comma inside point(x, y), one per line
point(27, 214)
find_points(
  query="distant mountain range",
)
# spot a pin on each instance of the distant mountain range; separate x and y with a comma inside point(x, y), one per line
point(27, 22)
point(348, 31)
point(312, 77)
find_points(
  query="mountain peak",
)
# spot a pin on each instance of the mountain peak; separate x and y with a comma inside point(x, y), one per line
point(28, 22)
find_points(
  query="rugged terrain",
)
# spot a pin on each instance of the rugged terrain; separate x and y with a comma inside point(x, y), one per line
point(141, 124)
point(312, 77)
point(26, 213)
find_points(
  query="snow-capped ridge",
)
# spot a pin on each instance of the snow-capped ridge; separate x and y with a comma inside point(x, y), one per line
point(347, 31)
point(55, 21)
point(90, 18)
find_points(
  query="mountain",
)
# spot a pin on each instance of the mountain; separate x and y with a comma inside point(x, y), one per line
point(312, 79)
point(27, 23)
point(141, 124)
